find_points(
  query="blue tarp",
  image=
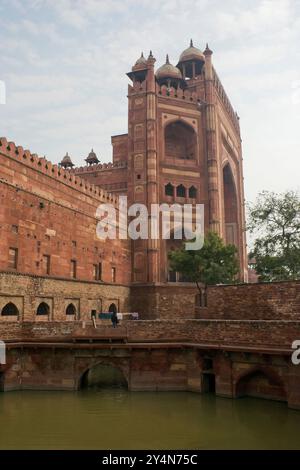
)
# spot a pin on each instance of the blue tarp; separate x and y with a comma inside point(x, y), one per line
point(105, 316)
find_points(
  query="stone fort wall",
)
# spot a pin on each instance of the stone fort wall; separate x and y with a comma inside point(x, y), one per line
point(48, 215)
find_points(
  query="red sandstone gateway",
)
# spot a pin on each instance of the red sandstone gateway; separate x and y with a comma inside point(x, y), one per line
point(183, 145)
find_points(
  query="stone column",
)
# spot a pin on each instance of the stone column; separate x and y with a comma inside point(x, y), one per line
point(211, 144)
point(152, 173)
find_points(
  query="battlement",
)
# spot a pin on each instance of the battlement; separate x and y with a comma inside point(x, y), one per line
point(99, 167)
point(225, 100)
point(186, 95)
point(67, 177)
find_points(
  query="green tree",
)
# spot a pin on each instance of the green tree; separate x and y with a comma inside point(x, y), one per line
point(274, 221)
point(214, 263)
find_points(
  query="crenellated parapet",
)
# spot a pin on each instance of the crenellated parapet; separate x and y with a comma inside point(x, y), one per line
point(65, 176)
point(186, 95)
point(100, 167)
point(225, 100)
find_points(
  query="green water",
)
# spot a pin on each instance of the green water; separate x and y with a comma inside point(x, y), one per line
point(112, 418)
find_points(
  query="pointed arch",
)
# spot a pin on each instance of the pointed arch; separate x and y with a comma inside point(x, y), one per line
point(71, 309)
point(43, 309)
point(192, 192)
point(10, 309)
point(181, 191)
point(169, 189)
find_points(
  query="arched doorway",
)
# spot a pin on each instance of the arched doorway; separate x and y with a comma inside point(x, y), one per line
point(261, 384)
point(103, 376)
point(230, 206)
point(112, 308)
point(180, 141)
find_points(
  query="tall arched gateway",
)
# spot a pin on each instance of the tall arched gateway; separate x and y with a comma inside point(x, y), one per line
point(230, 206)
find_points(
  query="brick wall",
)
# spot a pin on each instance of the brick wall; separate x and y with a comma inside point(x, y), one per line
point(165, 301)
point(269, 301)
point(276, 300)
point(248, 334)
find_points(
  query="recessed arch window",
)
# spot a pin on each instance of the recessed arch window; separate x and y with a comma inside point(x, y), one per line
point(43, 309)
point(112, 308)
point(180, 191)
point(10, 309)
point(180, 141)
point(71, 310)
point(169, 190)
point(192, 192)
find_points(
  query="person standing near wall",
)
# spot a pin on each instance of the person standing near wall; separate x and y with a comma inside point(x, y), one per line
point(114, 319)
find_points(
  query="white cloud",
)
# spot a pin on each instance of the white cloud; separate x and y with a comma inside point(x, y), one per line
point(64, 65)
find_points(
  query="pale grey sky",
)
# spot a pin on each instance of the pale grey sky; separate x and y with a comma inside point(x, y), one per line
point(64, 64)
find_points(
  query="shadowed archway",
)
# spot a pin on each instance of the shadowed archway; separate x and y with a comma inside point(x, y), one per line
point(71, 310)
point(10, 309)
point(261, 384)
point(230, 206)
point(43, 309)
point(180, 141)
point(103, 376)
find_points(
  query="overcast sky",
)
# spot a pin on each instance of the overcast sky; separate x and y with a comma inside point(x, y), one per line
point(64, 64)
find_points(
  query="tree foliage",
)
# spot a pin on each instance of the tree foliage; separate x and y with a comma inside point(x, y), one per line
point(274, 219)
point(214, 263)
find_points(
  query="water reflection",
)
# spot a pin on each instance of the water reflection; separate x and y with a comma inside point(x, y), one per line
point(116, 418)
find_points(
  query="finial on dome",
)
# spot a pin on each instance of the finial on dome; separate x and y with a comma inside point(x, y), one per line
point(151, 57)
point(66, 162)
point(191, 43)
point(207, 51)
point(167, 59)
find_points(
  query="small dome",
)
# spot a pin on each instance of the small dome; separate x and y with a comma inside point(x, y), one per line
point(168, 71)
point(141, 60)
point(92, 158)
point(191, 53)
point(66, 161)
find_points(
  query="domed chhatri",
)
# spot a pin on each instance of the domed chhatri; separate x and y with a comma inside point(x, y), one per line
point(141, 61)
point(66, 162)
point(92, 158)
point(192, 54)
point(168, 71)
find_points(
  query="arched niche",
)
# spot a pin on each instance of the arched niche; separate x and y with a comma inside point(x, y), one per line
point(180, 141)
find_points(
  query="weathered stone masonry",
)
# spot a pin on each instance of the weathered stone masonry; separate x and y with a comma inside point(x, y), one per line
point(243, 357)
